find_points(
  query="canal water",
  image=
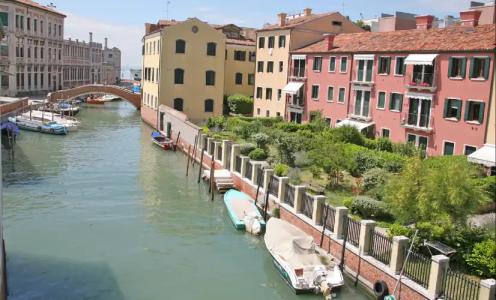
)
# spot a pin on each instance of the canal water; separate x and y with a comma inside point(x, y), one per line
point(103, 214)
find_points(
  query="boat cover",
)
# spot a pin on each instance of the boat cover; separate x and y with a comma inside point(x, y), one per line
point(291, 244)
point(7, 125)
point(156, 134)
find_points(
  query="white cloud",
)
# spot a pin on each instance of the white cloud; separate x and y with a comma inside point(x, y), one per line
point(125, 37)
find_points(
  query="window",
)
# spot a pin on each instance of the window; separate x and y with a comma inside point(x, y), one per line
point(385, 133)
point(328, 121)
point(251, 79)
point(4, 19)
point(180, 46)
point(396, 102)
point(337, 23)
point(423, 75)
point(330, 94)
point(299, 68)
point(384, 65)
point(452, 109)
point(279, 94)
point(362, 103)
point(239, 55)
point(332, 64)
point(281, 66)
point(341, 97)
point(282, 41)
point(178, 104)
point(317, 64)
point(474, 111)
point(418, 140)
point(315, 92)
point(258, 111)
point(252, 56)
point(270, 67)
point(260, 67)
point(448, 148)
point(364, 73)
point(457, 67)
point(272, 41)
point(211, 49)
point(344, 64)
point(400, 67)
point(210, 77)
point(178, 76)
point(469, 150)
point(261, 42)
point(268, 94)
point(259, 92)
point(28, 22)
point(267, 113)
point(479, 68)
point(209, 105)
point(419, 112)
point(239, 78)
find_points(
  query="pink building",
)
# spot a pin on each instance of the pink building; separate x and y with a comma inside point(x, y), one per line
point(428, 86)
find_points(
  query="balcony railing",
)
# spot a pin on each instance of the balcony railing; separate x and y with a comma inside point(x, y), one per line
point(420, 122)
point(421, 81)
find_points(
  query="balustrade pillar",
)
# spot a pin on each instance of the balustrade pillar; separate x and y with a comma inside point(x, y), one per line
point(439, 266)
point(244, 161)
point(340, 221)
point(267, 176)
point(281, 192)
point(487, 289)
point(366, 235)
point(318, 208)
point(235, 151)
point(224, 154)
point(298, 196)
point(400, 244)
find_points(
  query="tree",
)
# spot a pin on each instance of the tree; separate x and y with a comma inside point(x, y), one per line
point(240, 104)
point(362, 25)
point(332, 158)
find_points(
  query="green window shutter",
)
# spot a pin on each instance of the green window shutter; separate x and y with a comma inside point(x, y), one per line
point(446, 106)
point(472, 65)
point(487, 64)
point(464, 67)
point(391, 101)
point(481, 113)
point(458, 104)
point(401, 103)
point(380, 63)
point(450, 68)
point(467, 108)
point(388, 66)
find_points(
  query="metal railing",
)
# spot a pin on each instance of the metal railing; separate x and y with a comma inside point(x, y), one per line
point(274, 186)
point(380, 247)
point(290, 195)
point(307, 205)
point(417, 268)
point(331, 217)
point(353, 236)
point(458, 286)
point(248, 170)
point(237, 164)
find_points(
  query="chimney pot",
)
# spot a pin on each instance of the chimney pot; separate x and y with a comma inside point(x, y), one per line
point(106, 42)
point(282, 19)
point(307, 12)
point(91, 37)
point(329, 37)
point(470, 18)
point(424, 22)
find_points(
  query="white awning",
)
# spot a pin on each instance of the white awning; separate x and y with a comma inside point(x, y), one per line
point(485, 156)
point(292, 88)
point(420, 59)
point(419, 96)
point(358, 125)
point(363, 57)
point(295, 57)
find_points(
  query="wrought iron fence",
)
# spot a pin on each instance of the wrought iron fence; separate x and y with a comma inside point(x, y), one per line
point(307, 205)
point(290, 195)
point(458, 286)
point(248, 170)
point(237, 164)
point(274, 186)
point(331, 215)
point(353, 234)
point(418, 268)
point(381, 246)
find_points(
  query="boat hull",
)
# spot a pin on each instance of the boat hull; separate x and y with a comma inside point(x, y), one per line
point(229, 200)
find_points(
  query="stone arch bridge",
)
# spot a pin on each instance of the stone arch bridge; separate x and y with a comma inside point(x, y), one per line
point(134, 99)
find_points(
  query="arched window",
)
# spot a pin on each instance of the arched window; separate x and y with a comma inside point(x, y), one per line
point(179, 76)
point(209, 105)
point(211, 49)
point(178, 104)
point(180, 46)
point(239, 78)
point(210, 78)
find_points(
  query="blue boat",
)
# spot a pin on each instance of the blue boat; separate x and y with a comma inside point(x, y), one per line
point(243, 212)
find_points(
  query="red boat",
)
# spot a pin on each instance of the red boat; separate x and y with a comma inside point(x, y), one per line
point(98, 101)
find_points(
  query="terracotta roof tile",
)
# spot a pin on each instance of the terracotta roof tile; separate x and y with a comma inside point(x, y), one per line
point(291, 23)
point(244, 42)
point(40, 6)
point(457, 38)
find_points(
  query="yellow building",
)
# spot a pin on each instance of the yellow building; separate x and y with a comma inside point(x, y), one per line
point(194, 66)
point(275, 41)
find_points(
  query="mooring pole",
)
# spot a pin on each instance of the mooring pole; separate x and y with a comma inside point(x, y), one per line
point(266, 201)
point(187, 165)
point(341, 264)
point(201, 166)
point(324, 226)
point(177, 140)
point(212, 175)
point(194, 151)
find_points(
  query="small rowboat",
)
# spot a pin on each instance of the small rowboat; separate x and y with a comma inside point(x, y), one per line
point(243, 212)
point(162, 141)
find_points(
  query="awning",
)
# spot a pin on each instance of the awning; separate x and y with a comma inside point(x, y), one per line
point(363, 57)
point(420, 59)
point(485, 156)
point(292, 88)
point(300, 56)
point(358, 125)
point(419, 96)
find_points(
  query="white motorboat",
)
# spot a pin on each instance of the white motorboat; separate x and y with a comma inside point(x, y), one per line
point(109, 98)
point(38, 125)
point(70, 123)
point(295, 255)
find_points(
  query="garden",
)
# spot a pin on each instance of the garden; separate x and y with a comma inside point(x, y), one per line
point(394, 184)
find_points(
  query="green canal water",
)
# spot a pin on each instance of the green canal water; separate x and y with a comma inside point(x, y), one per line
point(102, 214)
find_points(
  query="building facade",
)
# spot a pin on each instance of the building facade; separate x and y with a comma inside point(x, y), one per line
point(431, 87)
point(111, 66)
point(274, 43)
point(31, 51)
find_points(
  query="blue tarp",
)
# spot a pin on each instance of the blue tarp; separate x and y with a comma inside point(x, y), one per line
point(7, 125)
point(156, 134)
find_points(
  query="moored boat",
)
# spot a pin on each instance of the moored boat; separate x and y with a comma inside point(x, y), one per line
point(71, 124)
point(110, 98)
point(295, 255)
point(97, 101)
point(62, 108)
point(243, 212)
point(39, 126)
point(162, 141)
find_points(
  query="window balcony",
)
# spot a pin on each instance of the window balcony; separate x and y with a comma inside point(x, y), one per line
point(296, 104)
point(421, 81)
point(418, 122)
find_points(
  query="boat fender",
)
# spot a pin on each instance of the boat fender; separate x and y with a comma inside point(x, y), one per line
point(380, 289)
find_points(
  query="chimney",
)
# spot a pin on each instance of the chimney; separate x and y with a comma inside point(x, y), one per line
point(329, 37)
point(106, 42)
point(91, 37)
point(307, 12)
point(470, 18)
point(424, 22)
point(282, 19)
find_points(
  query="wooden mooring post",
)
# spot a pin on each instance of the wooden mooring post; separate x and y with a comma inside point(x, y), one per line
point(267, 201)
point(201, 165)
point(194, 150)
point(259, 183)
point(212, 178)
point(177, 140)
point(189, 157)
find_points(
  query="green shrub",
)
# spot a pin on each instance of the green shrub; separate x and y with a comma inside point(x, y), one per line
point(406, 149)
point(216, 123)
point(348, 134)
point(289, 127)
point(482, 259)
point(489, 185)
point(245, 149)
point(368, 207)
point(399, 230)
point(281, 170)
point(370, 144)
point(240, 104)
point(348, 202)
point(261, 139)
point(301, 159)
point(316, 172)
point(374, 182)
point(363, 161)
point(257, 154)
point(384, 144)
point(295, 176)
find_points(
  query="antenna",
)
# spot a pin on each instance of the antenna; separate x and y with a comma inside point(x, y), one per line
point(167, 10)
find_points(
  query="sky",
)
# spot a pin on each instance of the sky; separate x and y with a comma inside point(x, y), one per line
point(122, 21)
